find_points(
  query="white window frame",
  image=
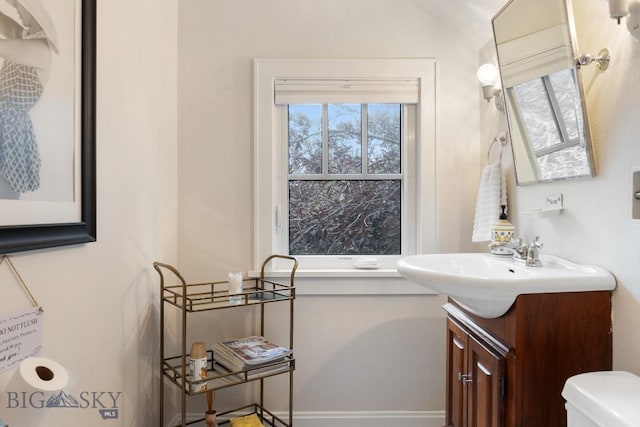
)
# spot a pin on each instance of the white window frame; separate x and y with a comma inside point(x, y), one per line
point(270, 171)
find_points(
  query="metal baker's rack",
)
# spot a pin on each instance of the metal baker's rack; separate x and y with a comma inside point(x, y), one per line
point(201, 297)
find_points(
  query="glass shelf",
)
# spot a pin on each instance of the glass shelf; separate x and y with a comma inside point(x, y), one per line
point(219, 377)
point(214, 295)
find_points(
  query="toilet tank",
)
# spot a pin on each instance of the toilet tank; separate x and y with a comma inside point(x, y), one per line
point(603, 399)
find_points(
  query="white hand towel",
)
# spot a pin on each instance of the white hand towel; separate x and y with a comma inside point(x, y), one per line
point(491, 194)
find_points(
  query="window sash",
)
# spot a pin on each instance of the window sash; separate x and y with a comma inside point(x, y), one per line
point(325, 175)
point(313, 230)
point(563, 133)
point(409, 201)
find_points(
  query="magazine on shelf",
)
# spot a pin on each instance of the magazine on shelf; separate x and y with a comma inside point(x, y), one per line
point(263, 371)
point(248, 353)
point(221, 377)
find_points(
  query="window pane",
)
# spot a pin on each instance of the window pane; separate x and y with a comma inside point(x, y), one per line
point(565, 88)
point(344, 217)
point(345, 138)
point(558, 163)
point(537, 113)
point(383, 131)
point(305, 139)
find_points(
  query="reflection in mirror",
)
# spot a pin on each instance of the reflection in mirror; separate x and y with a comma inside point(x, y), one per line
point(544, 96)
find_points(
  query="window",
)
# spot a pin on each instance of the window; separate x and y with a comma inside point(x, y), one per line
point(345, 179)
point(548, 101)
point(344, 173)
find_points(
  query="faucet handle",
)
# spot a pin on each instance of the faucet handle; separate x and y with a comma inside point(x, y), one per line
point(515, 241)
point(536, 243)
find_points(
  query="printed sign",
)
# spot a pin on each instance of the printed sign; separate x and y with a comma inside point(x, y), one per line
point(20, 337)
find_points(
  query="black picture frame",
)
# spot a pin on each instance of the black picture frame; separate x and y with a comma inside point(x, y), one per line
point(30, 237)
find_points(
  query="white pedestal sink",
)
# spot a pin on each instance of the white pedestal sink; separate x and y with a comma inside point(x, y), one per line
point(487, 285)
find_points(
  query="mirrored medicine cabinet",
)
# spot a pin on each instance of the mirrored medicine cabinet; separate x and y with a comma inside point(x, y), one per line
point(544, 95)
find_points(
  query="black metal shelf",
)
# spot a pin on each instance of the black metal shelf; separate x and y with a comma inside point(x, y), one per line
point(202, 297)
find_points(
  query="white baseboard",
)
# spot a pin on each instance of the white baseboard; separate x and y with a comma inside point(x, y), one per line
point(355, 419)
point(369, 419)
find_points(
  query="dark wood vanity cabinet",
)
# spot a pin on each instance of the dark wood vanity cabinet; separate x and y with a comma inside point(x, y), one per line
point(509, 371)
point(475, 380)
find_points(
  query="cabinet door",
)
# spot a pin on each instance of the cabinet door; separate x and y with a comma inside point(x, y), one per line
point(457, 341)
point(486, 389)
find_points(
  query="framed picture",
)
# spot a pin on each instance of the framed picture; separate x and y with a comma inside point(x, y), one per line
point(47, 131)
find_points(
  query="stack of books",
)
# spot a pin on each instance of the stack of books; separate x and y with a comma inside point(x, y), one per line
point(250, 353)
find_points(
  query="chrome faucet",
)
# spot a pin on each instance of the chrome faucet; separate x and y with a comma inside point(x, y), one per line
point(514, 245)
point(532, 253)
point(519, 249)
point(527, 253)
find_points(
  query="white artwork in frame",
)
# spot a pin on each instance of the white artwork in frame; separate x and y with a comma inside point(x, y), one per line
point(47, 183)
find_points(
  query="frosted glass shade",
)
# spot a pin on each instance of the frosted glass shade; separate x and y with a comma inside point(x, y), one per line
point(618, 9)
point(488, 75)
point(633, 20)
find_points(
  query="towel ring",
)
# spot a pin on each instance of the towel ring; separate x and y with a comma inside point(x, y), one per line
point(502, 139)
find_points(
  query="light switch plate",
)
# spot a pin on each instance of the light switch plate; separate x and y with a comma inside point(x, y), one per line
point(635, 188)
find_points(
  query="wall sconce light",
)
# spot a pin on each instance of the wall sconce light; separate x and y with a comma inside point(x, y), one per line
point(633, 20)
point(489, 78)
point(618, 9)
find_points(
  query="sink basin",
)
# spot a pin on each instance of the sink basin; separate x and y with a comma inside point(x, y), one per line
point(487, 285)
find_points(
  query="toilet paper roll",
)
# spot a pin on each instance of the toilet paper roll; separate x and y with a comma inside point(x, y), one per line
point(40, 373)
point(32, 386)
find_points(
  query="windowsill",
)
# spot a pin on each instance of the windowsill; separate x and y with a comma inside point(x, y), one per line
point(349, 282)
point(341, 273)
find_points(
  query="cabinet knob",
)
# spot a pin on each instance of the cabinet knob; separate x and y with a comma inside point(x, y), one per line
point(465, 378)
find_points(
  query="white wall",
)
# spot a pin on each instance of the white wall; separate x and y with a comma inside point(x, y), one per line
point(399, 339)
point(100, 299)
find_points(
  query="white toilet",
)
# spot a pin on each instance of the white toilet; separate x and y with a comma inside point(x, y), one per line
point(603, 399)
